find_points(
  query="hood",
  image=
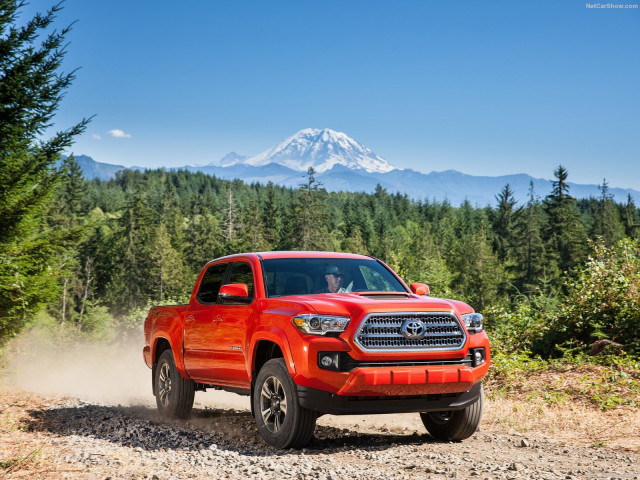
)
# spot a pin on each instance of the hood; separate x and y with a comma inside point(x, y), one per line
point(357, 305)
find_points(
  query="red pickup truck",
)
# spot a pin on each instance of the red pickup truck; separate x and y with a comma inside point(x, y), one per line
point(309, 333)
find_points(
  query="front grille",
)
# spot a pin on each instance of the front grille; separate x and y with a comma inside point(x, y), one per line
point(381, 332)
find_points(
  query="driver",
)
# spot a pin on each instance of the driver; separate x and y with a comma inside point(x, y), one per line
point(333, 276)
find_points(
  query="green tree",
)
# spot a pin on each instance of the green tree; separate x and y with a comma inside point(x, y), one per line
point(31, 88)
point(310, 213)
point(504, 222)
point(204, 234)
point(416, 258)
point(255, 232)
point(530, 259)
point(69, 215)
point(70, 202)
point(477, 271)
point(607, 223)
point(167, 268)
point(132, 277)
point(631, 221)
point(271, 218)
point(564, 235)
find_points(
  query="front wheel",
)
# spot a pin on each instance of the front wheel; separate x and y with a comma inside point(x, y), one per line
point(282, 422)
point(454, 425)
point(174, 393)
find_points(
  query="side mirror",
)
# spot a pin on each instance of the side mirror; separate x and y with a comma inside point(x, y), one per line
point(238, 292)
point(420, 289)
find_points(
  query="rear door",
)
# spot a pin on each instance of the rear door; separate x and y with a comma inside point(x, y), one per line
point(200, 323)
point(230, 330)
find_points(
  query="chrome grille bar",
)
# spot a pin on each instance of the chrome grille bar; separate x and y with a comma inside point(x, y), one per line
point(382, 332)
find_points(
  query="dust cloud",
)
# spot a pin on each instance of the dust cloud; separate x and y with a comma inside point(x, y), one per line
point(115, 374)
point(108, 374)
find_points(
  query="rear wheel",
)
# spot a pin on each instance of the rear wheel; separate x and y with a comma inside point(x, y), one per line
point(454, 425)
point(174, 393)
point(282, 422)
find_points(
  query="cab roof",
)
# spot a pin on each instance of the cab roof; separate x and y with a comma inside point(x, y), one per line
point(313, 254)
point(289, 254)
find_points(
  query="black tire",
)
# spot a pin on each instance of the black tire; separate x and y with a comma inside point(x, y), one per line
point(288, 427)
point(174, 393)
point(454, 425)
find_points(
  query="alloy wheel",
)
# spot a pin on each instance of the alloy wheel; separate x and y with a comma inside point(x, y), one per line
point(164, 381)
point(273, 404)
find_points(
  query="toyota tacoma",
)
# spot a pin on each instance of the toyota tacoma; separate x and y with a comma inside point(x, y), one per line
point(310, 333)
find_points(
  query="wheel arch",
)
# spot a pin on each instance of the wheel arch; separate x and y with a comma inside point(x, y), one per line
point(268, 344)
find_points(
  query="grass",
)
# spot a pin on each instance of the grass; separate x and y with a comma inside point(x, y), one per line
point(571, 423)
point(604, 382)
point(578, 399)
point(18, 463)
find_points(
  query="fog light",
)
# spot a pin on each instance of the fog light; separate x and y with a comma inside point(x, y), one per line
point(329, 360)
point(326, 361)
point(478, 357)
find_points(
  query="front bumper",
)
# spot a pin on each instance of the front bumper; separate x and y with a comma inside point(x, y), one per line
point(394, 381)
point(326, 402)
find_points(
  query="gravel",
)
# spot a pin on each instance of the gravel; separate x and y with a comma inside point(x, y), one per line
point(77, 439)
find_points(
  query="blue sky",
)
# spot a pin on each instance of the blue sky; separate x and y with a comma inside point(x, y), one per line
point(486, 87)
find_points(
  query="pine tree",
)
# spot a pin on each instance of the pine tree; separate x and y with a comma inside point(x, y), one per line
point(132, 283)
point(71, 199)
point(416, 258)
point(531, 264)
point(170, 214)
point(167, 269)
point(310, 212)
point(477, 271)
point(504, 222)
point(69, 214)
point(204, 234)
point(631, 220)
point(271, 217)
point(254, 234)
point(607, 223)
point(31, 88)
point(564, 235)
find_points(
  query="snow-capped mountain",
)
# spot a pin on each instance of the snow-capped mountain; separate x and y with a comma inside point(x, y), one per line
point(230, 159)
point(320, 149)
point(342, 164)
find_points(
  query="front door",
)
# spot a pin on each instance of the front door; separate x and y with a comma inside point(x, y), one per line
point(200, 323)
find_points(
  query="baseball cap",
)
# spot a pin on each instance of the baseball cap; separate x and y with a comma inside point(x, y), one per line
point(332, 270)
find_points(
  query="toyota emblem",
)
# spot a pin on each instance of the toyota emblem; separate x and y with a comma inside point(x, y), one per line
point(413, 329)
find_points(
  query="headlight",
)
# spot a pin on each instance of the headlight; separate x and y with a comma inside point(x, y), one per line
point(473, 322)
point(320, 324)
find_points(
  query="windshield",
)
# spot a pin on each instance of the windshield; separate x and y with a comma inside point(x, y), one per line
point(303, 276)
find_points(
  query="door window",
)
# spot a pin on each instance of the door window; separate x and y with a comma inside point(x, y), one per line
point(211, 282)
point(242, 273)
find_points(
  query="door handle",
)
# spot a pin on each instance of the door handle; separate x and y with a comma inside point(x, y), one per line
point(190, 318)
point(217, 319)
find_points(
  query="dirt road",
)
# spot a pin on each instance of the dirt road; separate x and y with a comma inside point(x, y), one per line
point(52, 437)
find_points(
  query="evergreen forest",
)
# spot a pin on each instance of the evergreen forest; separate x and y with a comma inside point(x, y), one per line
point(569, 267)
